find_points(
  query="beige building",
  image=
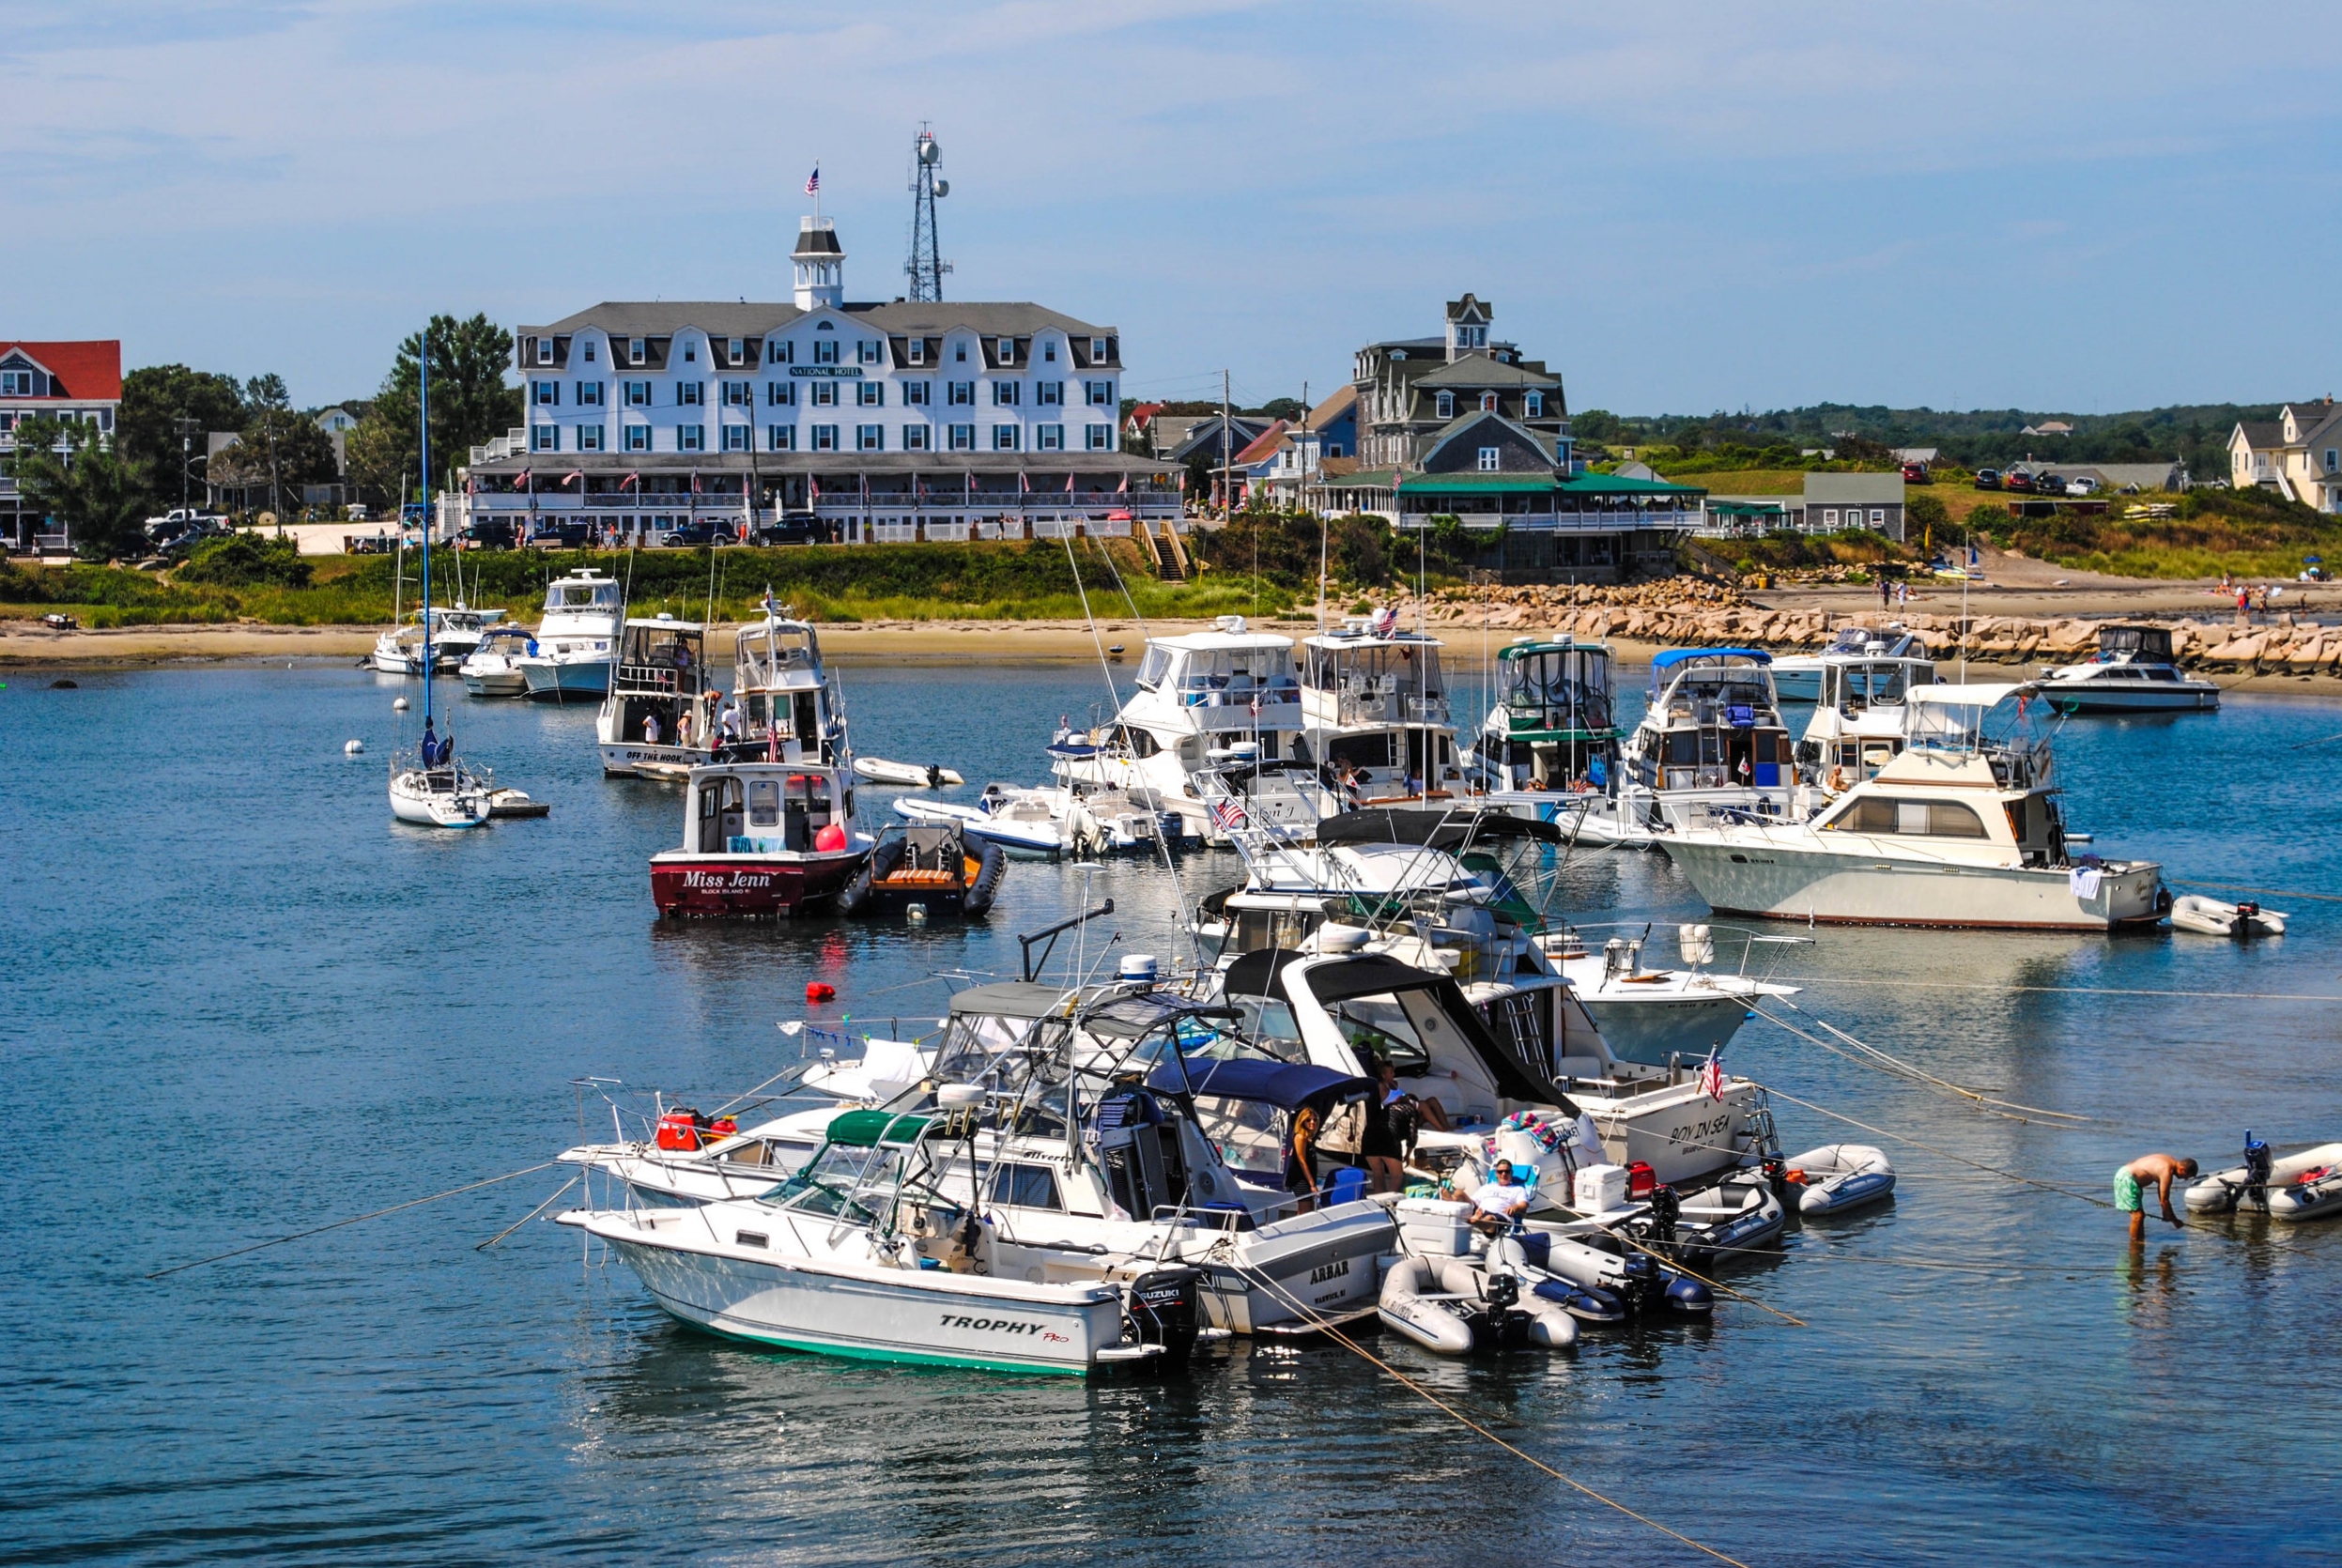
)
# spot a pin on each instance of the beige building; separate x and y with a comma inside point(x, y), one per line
point(2298, 455)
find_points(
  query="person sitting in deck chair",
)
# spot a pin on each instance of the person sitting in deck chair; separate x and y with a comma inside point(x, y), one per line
point(1501, 1201)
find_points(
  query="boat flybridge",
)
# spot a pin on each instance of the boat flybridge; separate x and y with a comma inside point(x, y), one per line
point(1797, 677)
point(790, 703)
point(1376, 714)
point(1109, 1127)
point(1553, 728)
point(570, 657)
point(658, 717)
point(1958, 830)
point(1199, 696)
point(2134, 672)
point(1863, 717)
point(1710, 745)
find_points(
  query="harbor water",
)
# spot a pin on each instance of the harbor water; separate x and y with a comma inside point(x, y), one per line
point(241, 1003)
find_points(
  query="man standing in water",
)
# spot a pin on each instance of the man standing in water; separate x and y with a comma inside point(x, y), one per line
point(2158, 1171)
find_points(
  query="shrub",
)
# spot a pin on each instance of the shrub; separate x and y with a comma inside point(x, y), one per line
point(247, 561)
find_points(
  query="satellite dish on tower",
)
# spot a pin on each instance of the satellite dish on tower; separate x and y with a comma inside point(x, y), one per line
point(928, 152)
point(943, 188)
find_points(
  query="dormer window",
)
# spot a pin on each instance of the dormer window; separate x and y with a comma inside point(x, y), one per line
point(1049, 351)
point(1098, 350)
point(962, 353)
point(736, 350)
point(1488, 402)
point(914, 351)
point(589, 351)
point(545, 351)
point(1008, 351)
point(1445, 402)
point(1533, 405)
point(1489, 458)
point(690, 353)
point(634, 351)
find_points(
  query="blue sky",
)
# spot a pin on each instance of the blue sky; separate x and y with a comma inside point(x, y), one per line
point(1682, 207)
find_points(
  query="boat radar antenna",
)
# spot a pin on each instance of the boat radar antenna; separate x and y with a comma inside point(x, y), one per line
point(927, 267)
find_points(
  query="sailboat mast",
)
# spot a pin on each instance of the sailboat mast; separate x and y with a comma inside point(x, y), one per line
point(424, 420)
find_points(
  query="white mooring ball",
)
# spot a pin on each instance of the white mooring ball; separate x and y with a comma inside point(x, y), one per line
point(351, 749)
point(398, 705)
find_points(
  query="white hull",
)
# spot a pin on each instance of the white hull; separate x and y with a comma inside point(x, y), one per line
point(2094, 697)
point(863, 1311)
point(620, 759)
point(880, 770)
point(495, 682)
point(1661, 1029)
point(427, 803)
point(1836, 887)
point(559, 680)
point(1034, 836)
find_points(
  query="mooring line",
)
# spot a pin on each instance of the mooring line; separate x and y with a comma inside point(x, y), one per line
point(531, 1215)
point(1945, 1154)
point(2265, 892)
point(316, 1230)
point(1331, 1331)
point(2063, 990)
point(1895, 1067)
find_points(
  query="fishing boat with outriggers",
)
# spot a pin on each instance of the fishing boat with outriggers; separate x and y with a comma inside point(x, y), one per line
point(1959, 830)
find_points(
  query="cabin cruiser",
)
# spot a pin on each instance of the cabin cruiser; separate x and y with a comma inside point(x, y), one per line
point(1197, 692)
point(761, 838)
point(879, 1249)
point(1862, 720)
point(492, 668)
point(1116, 1121)
point(1554, 728)
point(790, 707)
point(1797, 677)
point(658, 715)
point(454, 632)
point(1955, 831)
point(2134, 672)
point(1376, 714)
point(1710, 747)
point(571, 655)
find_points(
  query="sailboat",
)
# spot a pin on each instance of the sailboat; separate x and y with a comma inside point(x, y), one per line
point(431, 787)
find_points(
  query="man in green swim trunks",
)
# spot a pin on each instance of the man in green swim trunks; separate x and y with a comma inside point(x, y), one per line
point(2158, 1170)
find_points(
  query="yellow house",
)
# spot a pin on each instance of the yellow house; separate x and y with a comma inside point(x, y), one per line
point(2298, 455)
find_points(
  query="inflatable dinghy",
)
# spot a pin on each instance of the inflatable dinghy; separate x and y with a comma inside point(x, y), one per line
point(1453, 1306)
point(2211, 917)
point(2303, 1186)
point(880, 770)
point(1839, 1177)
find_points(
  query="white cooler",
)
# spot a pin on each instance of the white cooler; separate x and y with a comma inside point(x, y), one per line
point(1429, 1227)
point(1600, 1189)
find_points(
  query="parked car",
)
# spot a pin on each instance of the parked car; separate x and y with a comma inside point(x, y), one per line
point(492, 534)
point(2017, 479)
point(1916, 473)
point(2081, 485)
point(563, 536)
point(369, 544)
point(701, 532)
point(1988, 479)
point(796, 528)
point(178, 546)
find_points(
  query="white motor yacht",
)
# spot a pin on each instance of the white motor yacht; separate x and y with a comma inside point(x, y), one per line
point(1049, 820)
point(492, 668)
point(570, 658)
point(1375, 711)
point(879, 1250)
point(791, 706)
point(2134, 672)
point(1863, 719)
point(1555, 729)
point(657, 717)
point(454, 631)
point(1956, 831)
point(1797, 677)
point(1197, 692)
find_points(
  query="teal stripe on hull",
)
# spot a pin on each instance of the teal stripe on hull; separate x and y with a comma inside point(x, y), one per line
point(902, 1357)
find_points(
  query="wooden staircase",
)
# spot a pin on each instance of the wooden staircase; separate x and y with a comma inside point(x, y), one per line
point(1171, 562)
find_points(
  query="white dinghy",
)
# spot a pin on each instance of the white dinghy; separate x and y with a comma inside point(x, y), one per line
point(880, 770)
point(1839, 1177)
point(2193, 911)
point(2303, 1186)
point(1453, 1306)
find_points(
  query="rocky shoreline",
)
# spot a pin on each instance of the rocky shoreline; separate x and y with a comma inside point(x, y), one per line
point(1693, 612)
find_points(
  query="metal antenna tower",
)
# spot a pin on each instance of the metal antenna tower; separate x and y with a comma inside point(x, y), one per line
point(926, 267)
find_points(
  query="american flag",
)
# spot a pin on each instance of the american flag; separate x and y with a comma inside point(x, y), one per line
point(573, 475)
point(695, 484)
point(1386, 621)
point(521, 480)
point(1228, 814)
point(630, 481)
point(1123, 488)
point(1711, 1077)
point(1068, 484)
point(813, 181)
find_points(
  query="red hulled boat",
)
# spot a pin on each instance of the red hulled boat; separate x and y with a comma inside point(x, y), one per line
point(760, 839)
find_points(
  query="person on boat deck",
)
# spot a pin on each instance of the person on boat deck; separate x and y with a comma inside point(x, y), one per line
point(650, 730)
point(682, 727)
point(1502, 1200)
point(1301, 1158)
point(1406, 1110)
point(2158, 1171)
point(1378, 1142)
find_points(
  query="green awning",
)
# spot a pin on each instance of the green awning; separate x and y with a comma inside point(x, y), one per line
point(1479, 485)
point(1619, 484)
point(1748, 509)
point(868, 1129)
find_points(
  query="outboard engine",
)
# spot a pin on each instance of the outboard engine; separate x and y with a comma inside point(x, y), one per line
point(2258, 1161)
point(1160, 1309)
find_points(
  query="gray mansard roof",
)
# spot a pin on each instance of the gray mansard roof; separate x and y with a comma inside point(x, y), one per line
point(734, 318)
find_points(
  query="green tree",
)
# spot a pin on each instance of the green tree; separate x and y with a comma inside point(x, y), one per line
point(470, 405)
point(71, 472)
point(247, 561)
point(379, 460)
point(154, 398)
point(1924, 518)
point(278, 448)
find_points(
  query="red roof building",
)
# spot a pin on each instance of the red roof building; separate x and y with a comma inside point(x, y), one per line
point(63, 380)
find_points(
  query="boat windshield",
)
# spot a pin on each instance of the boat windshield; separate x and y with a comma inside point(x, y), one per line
point(843, 1182)
point(1564, 680)
point(581, 595)
point(1879, 685)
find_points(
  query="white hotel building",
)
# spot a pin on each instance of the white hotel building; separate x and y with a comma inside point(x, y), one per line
point(893, 422)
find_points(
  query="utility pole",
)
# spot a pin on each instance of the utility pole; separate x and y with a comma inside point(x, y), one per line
point(186, 426)
point(1227, 480)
